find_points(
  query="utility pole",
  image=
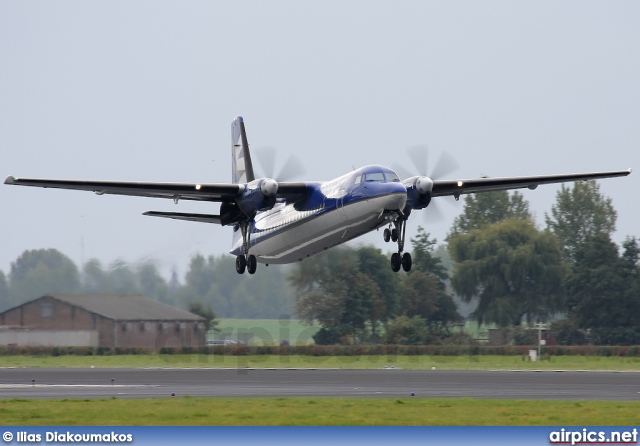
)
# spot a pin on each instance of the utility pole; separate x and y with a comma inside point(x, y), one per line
point(541, 327)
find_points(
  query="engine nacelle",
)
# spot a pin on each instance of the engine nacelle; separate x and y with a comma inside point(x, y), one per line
point(230, 214)
point(418, 192)
point(424, 185)
point(269, 187)
point(259, 195)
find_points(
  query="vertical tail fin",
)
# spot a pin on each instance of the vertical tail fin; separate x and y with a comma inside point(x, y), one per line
point(242, 169)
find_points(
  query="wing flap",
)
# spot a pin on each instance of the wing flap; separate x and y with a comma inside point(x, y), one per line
point(459, 187)
point(181, 191)
point(201, 218)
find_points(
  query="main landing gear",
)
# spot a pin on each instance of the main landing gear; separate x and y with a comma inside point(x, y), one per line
point(246, 261)
point(397, 234)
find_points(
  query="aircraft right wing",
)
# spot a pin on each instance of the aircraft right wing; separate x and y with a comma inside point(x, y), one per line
point(460, 187)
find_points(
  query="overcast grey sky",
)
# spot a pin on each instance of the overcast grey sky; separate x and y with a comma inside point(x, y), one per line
point(146, 90)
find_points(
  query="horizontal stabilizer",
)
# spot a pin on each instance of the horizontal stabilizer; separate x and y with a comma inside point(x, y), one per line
point(202, 218)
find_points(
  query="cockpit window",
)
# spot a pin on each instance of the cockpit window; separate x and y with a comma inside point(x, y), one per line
point(392, 177)
point(383, 176)
point(374, 176)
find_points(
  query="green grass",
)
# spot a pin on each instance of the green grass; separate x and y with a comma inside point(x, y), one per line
point(316, 411)
point(272, 331)
point(266, 331)
point(341, 362)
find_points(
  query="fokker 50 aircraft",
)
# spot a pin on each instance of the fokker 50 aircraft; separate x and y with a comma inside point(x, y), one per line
point(284, 222)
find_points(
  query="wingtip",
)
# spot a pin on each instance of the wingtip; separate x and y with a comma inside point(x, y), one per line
point(629, 170)
point(11, 180)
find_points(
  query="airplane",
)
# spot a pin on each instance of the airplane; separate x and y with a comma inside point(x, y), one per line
point(284, 222)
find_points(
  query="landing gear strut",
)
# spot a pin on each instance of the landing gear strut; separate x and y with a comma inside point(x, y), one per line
point(246, 261)
point(397, 234)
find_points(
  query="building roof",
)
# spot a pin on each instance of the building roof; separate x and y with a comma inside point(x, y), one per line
point(127, 308)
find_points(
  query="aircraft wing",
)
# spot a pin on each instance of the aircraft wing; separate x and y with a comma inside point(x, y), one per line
point(176, 191)
point(293, 192)
point(181, 191)
point(443, 188)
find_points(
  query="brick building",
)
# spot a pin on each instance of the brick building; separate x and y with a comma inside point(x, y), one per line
point(101, 321)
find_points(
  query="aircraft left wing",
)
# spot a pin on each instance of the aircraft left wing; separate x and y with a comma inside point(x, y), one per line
point(176, 191)
point(456, 188)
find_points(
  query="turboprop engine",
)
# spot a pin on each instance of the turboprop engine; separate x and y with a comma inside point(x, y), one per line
point(258, 195)
point(418, 191)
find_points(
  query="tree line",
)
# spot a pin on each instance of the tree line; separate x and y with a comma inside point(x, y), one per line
point(210, 284)
point(511, 273)
point(570, 274)
point(356, 298)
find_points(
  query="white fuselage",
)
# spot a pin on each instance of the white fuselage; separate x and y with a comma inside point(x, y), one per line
point(285, 235)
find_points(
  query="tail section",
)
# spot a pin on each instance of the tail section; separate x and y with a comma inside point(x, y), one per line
point(242, 169)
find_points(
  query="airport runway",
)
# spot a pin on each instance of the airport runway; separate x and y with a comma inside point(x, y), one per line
point(391, 383)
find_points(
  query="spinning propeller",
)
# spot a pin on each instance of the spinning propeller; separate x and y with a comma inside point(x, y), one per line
point(445, 165)
point(291, 169)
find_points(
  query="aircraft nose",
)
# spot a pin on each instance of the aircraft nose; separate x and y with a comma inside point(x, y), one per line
point(396, 196)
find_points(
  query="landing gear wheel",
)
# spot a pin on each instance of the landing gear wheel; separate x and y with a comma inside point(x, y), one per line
point(241, 264)
point(395, 262)
point(406, 262)
point(386, 235)
point(394, 236)
point(252, 264)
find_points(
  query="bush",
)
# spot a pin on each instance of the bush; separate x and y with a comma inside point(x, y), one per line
point(566, 332)
point(325, 336)
point(451, 349)
point(614, 336)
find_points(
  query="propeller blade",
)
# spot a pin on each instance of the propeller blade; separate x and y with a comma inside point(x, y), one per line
point(433, 213)
point(267, 159)
point(418, 155)
point(401, 171)
point(292, 169)
point(446, 165)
